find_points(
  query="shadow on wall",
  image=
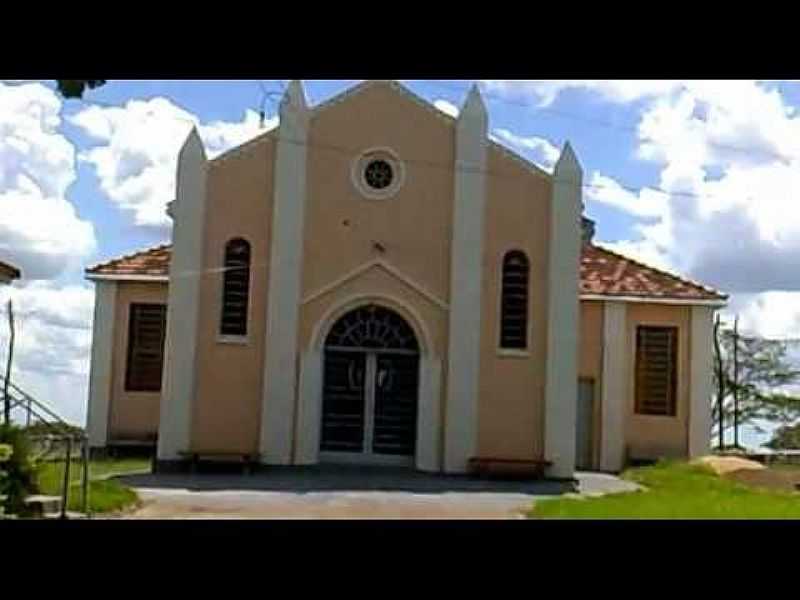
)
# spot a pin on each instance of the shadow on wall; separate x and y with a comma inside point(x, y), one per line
point(329, 478)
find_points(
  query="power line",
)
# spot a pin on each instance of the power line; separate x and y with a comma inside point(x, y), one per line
point(603, 123)
point(352, 152)
point(500, 98)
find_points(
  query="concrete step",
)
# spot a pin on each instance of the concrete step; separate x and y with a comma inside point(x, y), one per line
point(70, 515)
point(40, 504)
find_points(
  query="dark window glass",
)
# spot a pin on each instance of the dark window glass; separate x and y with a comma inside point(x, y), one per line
point(235, 288)
point(379, 174)
point(514, 301)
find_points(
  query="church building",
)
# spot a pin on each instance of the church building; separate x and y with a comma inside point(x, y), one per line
point(376, 282)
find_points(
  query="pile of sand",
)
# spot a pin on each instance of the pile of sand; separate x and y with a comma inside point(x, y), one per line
point(753, 474)
point(722, 465)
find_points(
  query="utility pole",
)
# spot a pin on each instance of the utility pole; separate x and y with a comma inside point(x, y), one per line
point(720, 386)
point(7, 380)
point(736, 383)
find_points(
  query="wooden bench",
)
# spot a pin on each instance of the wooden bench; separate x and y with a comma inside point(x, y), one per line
point(246, 459)
point(508, 467)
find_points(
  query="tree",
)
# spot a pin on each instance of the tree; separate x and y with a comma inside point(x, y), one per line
point(764, 371)
point(74, 88)
point(785, 438)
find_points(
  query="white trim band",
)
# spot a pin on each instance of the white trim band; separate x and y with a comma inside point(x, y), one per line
point(101, 369)
point(653, 300)
point(144, 278)
point(366, 267)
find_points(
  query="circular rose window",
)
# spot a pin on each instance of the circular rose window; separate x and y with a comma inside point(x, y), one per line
point(378, 173)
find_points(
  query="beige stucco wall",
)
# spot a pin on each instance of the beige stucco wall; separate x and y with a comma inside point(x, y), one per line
point(658, 436)
point(227, 399)
point(132, 415)
point(511, 403)
point(645, 436)
point(590, 340)
point(414, 226)
point(590, 363)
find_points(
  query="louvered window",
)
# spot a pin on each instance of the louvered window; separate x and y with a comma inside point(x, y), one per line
point(514, 301)
point(656, 370)
point(235, 288)
point(146, 333)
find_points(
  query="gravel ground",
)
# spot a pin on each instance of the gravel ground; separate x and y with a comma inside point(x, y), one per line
point(342, 493)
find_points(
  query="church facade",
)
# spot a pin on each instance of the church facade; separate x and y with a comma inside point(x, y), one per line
point(376, 282)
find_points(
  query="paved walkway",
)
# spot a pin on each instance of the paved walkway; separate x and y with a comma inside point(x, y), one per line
point(348, 492)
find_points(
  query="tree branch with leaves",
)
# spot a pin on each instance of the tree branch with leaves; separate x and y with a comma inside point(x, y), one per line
point(764, 373)
point(75, 88)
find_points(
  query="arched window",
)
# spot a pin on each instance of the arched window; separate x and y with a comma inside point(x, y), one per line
point(514, 301)
point(235, 288)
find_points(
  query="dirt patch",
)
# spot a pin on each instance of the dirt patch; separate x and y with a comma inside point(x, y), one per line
point(786, 480)
point(723, 465)
point(753, 474)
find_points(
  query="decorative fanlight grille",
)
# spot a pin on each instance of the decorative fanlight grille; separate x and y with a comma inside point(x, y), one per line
point(372, 327)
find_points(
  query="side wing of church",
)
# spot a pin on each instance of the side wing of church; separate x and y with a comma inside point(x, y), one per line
point(376, 282)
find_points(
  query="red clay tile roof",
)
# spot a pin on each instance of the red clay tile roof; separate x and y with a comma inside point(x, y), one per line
point(153, 261)
point(603, 273)
point(9, 271)
point(607, 273)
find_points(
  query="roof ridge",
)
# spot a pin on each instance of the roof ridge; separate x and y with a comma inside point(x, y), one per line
point(400, 88)
point(392, 83)
point(11, 269)
point(681, 278)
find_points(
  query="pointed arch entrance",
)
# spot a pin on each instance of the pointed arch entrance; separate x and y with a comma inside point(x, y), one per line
point(370, 388)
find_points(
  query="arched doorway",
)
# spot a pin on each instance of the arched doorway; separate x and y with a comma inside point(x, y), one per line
point(370, 387)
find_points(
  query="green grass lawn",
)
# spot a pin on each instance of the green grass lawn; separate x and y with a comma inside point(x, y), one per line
point(105, 495)
point(677, 491)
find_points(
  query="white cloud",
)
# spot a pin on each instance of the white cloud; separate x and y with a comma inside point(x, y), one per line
point(447, 107)
point(52, 343)
point(771, 314)
point(645, 203)
point(729, 157)
point(545, 93)
point(138, 143)
point(40, 230)
point(540, 150)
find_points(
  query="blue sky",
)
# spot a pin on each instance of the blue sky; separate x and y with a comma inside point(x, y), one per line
point(699, 177)
point(602, 147)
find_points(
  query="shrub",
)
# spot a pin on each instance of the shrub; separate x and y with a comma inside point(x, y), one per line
point(5, 454)
point(40, 428)
point(19, 470)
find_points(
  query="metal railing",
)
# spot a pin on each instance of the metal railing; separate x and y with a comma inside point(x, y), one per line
point(59, 445)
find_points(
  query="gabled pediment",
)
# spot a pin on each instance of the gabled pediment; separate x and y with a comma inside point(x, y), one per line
point(385, 267)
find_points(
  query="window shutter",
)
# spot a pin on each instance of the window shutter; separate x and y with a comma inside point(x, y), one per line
point(146, 334)
point(656, 370)
point(514, 301)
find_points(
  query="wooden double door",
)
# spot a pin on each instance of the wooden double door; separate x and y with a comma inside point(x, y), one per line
point(370, 389)
point(369, 408)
